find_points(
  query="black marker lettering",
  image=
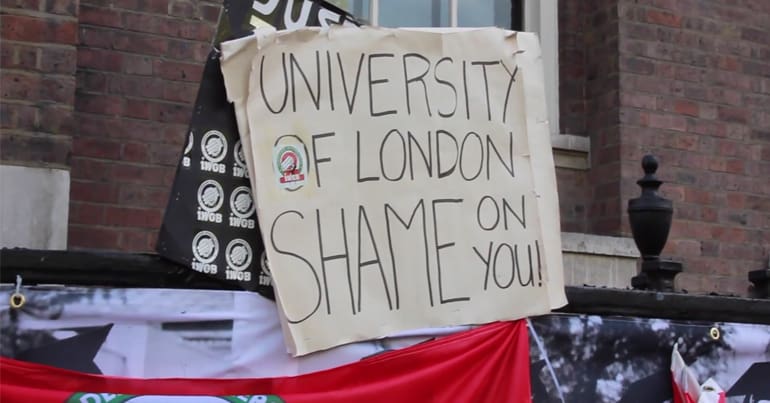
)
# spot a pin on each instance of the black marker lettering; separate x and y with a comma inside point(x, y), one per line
point(508, 91)
point(491, 147)
point(448, 171)
point(419, 78)
point(486, 84)
point(285, 83)
point(487, 263)
point(478, 214)
point(315, 97)
point(420, 206)
point(427, 159)
point(329, 73)
point(312, 270)
point(494, 268)
point(372, 82)
point(358, 162)
point(521, 218)
point(448, 84)
point(350, 100)
point(328, 258)
point(317, 160)
point(362, 218)
point(438, 248)
point(481, 156)
point(531, 280)
point(403, 154)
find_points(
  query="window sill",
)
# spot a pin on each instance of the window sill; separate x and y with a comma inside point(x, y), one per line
point(571, 151)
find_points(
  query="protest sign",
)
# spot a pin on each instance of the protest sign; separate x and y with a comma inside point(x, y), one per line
point(404, 179)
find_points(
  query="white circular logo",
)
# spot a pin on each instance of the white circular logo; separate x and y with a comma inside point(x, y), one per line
point(205, 247)
point(189, 145)
point(265, 264)
point(238, 254)
point(214, 146)
point(241, 203)
point(240, 159)
point(210, 196)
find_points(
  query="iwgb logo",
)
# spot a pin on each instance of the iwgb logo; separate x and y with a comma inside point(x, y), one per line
point(290, 165)
point(119, 398)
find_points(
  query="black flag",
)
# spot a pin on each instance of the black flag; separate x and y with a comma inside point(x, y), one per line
point(210, 222)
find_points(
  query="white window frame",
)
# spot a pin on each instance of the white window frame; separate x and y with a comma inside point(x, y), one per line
point(537, 14)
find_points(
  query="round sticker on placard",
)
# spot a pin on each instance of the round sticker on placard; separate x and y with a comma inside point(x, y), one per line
point(290, 165)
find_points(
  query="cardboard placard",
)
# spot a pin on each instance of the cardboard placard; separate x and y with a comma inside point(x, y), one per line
point(404, 178)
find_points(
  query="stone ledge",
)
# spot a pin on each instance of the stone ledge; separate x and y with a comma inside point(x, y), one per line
point(571, 151)
point(598, 245)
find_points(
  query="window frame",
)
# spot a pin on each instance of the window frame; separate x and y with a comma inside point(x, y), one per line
point(542, 18)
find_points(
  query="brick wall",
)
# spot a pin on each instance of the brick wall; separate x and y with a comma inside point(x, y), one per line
point(107, 88)
point(37, 81)
point(695, 91)
point(602, 121)
point(138, 68)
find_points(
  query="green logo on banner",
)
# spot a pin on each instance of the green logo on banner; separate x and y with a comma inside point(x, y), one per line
point(118, 398)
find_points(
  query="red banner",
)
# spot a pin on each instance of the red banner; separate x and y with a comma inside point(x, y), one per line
point(486, 364)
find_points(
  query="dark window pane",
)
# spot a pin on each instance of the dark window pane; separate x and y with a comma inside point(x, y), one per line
point(414, 13)
point(484, 13)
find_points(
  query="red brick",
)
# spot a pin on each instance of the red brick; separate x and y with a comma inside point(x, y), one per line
point(177, 71)
point(145, 175)
point(35, 29)
point(134, 241)
point(668, 122)
point(58, 60)
point(96, 148)
point(92, 170)
point(92, 237)
point(172, 113)
point(132, 217)
point(140, 43)
point(134, 152)
point(20, 86)
point(96, 37)
point(57, 89)
point(137, 108)
point(35, 149)
point(686, 107)
point(144, 196)
point(100, 16)
point(210, 12)
point(86, 213)
point(736, 115)
point(99, 103)
point(62, 7)
point(94, 192)
point(183, 9)
point(137, 64)
point(99, 59)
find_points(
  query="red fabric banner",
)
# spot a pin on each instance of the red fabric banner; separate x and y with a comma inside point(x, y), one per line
point(486, 364)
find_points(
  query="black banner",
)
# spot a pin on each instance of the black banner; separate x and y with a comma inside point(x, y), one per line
point(210, 222)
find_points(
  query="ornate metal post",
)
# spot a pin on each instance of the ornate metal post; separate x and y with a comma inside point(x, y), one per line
point(650, 217)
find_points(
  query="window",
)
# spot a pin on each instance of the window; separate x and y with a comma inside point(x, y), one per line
point(538, 16)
